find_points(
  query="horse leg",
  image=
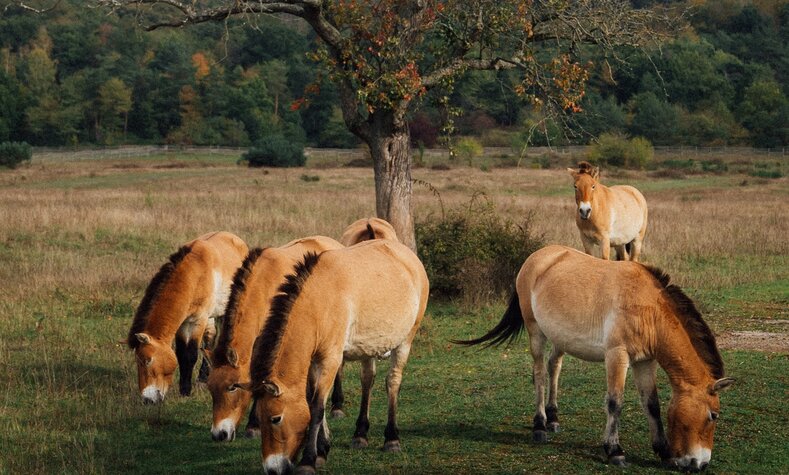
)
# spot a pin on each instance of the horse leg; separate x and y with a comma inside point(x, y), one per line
point(337, 397)
point(537, 342)
point(359, 440)
point(209, 338)
point(605, 247)
point(253, 425)
point(588, 244)
point(644, 375)
point(616, 363)
point(636, 252)
point(316, 444)
point(554, 368)
point(186, 353)
point(393, 380)
point(621, 252)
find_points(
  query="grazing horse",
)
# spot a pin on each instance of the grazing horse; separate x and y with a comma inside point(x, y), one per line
point(623, 314)
point(254, 285)
point(367, 228)
point(615, 216)
point(180, 304)
point(358, 303)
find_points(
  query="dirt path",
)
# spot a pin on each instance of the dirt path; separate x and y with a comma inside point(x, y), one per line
point(754, 340)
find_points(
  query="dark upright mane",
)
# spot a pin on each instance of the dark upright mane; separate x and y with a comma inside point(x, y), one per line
point(267, 343)
point(230, 315)
point(154, 287)
point(585, 167)
point(699, 332)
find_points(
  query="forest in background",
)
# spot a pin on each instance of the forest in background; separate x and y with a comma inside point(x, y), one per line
point(77, 76)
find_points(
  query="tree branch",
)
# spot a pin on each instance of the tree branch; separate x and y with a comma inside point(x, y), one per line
point(24, 6)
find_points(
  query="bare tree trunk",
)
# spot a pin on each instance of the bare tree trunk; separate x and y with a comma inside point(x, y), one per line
point(391, 152)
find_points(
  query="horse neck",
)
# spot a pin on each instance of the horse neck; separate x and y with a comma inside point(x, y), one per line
point(296, 349)
point(675, 353)
point(173, 304)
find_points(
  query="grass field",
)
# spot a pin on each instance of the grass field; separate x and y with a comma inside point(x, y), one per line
point(79, 241)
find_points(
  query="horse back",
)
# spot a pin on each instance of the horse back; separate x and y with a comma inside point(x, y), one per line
point(366, 229)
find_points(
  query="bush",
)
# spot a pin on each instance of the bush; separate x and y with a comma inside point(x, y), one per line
point(468, 149)
point(14, 153)
point(616, 150)
point(276, 151)
point(474, 254)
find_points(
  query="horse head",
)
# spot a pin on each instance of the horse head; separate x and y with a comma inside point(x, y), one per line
point(586, 180)
point(229, 401)
point(156, 363)
point(284, 417)
point(692, 416)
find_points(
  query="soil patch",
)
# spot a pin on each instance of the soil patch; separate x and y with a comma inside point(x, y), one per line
point(754, 340)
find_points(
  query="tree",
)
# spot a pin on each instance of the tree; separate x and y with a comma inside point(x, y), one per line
point(115, 100)
point(386, 55)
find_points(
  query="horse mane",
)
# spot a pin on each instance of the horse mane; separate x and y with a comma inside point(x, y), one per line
point(699, 332)
point(585, 167)
point(156, 285)
point(370, 231)
point(231, 314)
point(268, 342)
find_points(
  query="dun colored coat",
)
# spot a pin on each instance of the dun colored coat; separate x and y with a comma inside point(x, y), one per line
point(179, 305)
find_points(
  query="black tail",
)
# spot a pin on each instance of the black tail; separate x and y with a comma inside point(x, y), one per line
point(508, 329)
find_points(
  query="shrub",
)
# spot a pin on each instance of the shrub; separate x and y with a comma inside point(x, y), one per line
point(276, 151)
point(14, 153)
point(616, 150)
point(474, 254)
point(468, 149)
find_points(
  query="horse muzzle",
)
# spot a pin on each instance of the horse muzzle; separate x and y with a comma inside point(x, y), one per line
point(152, 395)
point(277, 465)
point(584, 210)
point(224, 431)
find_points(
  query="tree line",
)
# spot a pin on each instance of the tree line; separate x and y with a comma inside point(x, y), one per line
point(78, 76)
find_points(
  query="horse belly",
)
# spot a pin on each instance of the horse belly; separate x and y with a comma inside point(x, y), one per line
point(627, 219)
point(572, 332)
point(375, 334)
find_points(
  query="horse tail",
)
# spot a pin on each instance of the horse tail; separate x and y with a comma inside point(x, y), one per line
point(370, 232)
point(629, 248)
point(508, 329)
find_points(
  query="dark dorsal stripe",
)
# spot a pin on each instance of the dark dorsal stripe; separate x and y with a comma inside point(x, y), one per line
point(370, 231)
point(699, 332)
point(156, 285)
point(267, 343)
point(230, 316)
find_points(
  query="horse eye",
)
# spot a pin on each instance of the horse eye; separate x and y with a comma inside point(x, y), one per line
point(149, 362)
point(713, 416)
point(593, 186)
point(232, 388)
point(275, 420)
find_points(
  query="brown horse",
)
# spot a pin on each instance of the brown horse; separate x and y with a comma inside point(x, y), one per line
point(623, 314)
point(615, 216)
point(359, 303)
point(180, 304)
point(254, 285)
point(368, 228)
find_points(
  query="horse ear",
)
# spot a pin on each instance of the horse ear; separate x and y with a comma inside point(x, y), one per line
point(721, 385)
point(143, 338)
point(272, 388)
point(232, 357)
point(596, 173)
point(208, 356)
point(573, 173)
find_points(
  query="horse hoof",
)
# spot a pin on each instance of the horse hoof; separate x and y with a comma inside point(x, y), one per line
point(553, 427)
point(337, 414)
point(252, 433)
point(391, 446)
point(618, 461)
point(320, 462)
point(359, 443)
point(304, 470)
point(540, 436)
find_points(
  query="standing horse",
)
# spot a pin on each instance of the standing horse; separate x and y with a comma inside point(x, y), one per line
point(254, 285)
point(368, 228)
point(180, 304)
point(359, 303)
point(615, 216)
point(620, 313)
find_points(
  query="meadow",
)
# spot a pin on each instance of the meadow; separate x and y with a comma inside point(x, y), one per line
point(79, 240)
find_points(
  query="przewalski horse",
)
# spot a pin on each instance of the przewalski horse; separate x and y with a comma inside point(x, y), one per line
point(256, 282)
point(615, 216)
point(359, 303)
point(179, 304)
point(368, 228)
point(623, 314)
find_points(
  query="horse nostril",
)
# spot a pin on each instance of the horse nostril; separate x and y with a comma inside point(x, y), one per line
point(271, 472)
point(703, 466)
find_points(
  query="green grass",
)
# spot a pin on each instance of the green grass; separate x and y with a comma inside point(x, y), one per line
point(69, 405)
